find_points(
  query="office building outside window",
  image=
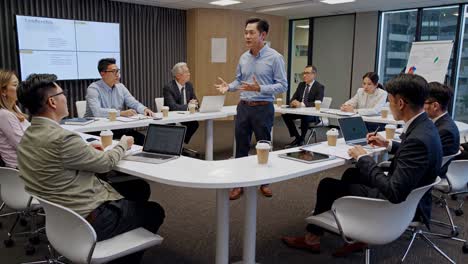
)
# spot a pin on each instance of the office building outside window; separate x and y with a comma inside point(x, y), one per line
point(460, 112)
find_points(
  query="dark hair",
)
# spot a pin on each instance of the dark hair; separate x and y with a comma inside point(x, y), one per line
point(374, 77)
point(33, 92)
point(104, 63)
point(440, 93)
point(262, 24)
point(313, 68)
point(413, 88)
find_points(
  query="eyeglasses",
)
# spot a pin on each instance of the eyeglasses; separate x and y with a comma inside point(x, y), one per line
point(57, 94)
point(116, 71)
point(307, 73)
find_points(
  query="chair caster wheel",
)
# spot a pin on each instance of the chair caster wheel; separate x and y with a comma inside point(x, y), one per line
point(459, 212)
point(455, 232)
point(23, 222)
point(8, 242)
point(34, 240)
point(453, 197)
point(1, 225)
point(465, 248)
point(29, 250)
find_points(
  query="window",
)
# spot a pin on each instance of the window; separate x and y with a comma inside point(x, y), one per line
point(299, 52)
point(460, 112)
point(397, 32)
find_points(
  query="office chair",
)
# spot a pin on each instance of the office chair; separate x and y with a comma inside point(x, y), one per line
point(73, 237)
point(326, 103)
point(15, 197)
point(368, 220)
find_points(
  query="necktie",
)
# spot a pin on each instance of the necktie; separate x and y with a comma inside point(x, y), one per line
point(306, 93)
point(182, 93)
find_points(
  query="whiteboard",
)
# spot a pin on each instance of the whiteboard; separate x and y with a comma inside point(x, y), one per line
point(430, 59)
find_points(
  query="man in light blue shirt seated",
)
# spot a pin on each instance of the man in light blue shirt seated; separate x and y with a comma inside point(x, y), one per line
point(108, 93)
point(260, 75)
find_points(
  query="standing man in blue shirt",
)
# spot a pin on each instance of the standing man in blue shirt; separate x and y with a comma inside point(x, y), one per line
point(260, 75)
point(108, 93)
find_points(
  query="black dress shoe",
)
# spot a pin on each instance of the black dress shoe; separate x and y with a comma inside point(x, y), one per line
point(296, 142)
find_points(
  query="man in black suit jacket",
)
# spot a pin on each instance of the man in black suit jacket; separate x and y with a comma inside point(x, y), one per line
point(436, 106)
point(174, 93)
point(416, 161)
point(306, 93)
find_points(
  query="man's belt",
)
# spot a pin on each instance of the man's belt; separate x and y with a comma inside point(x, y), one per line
point(255, 103)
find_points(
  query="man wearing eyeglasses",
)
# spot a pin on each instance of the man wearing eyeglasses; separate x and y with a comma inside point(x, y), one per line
point(306, 93)
point(108, 93)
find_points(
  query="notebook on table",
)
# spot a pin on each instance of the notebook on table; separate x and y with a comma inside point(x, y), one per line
point(354, 131)
point(162, 143)
point(77, 121)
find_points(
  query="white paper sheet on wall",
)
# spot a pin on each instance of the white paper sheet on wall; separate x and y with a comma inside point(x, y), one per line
point(218, 50)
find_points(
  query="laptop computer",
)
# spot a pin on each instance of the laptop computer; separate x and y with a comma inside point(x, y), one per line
point(162, 144)
point(354, 130)
point(212, 103)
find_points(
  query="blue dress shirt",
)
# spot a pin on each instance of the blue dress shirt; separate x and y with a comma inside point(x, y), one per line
point(100, 98)
point(269, 70)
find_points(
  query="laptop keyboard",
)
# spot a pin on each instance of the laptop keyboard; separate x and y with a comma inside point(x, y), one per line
point(152, 156)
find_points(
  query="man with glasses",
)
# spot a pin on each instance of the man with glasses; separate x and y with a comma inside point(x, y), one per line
point(306, 93)
point(108, 93)
point(58, 165)
point(436, 106)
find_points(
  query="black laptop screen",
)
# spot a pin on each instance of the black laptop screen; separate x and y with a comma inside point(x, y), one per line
point(353, 128)
point(164, 139)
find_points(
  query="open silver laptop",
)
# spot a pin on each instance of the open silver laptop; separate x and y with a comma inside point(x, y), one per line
point(162, 143)
point(212, 103)
point(354, 130)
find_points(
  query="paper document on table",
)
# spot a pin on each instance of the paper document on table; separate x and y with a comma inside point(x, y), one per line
point(340, 151)
point(134, 149)
point(132, 118)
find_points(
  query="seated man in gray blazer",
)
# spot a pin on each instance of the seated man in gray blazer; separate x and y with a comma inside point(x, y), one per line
point(57, 165)
point(178, 93)
point(416, 163)
point(436, 106)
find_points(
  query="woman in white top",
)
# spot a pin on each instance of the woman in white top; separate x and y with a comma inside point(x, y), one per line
point(13, 122)
point(369, 99)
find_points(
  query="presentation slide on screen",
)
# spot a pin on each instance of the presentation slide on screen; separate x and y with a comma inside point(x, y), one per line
point(68, 48)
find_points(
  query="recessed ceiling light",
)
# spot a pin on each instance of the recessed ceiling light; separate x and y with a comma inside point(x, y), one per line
point(225, 2)
point(334, 2)
point(303, 26)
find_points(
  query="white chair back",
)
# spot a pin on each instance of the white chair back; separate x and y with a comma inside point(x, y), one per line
point(376, 221)
point(159, 103)
point(457, 175)
point(326, 103)
point(69, 233)
point(80, 108)
point(448, 158)
point(12, 190)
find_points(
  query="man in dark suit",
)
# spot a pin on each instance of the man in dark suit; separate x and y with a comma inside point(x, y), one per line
point(416, 161)
point(178, 93)
point(306, 93)
point(436, 106)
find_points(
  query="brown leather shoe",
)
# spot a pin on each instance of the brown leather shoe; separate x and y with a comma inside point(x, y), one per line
point(299, 243)
point(347, 249)
point(266, 191)
point(235, 193)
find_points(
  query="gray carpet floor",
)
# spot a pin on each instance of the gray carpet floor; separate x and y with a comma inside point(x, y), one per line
point(189, 230)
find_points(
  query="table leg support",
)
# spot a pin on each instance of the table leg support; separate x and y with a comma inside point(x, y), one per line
point(209, 140)
point(222, 226)
point(250, 231)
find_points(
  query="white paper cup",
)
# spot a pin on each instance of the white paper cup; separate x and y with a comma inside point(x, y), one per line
point(390, 131)
point(332, 137)
point(384, 112)
point(279, 102)
point(318, 104)
point(165, 111)
point(192, 108)
point(106, 138)
point(263, 149)
point(112, 115)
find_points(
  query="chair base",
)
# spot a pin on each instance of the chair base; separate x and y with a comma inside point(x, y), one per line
point(416, 232)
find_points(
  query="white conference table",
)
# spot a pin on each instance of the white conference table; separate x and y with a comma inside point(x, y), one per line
point(174, 117)
point(222, 176)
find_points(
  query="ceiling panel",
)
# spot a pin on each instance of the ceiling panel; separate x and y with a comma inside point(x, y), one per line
point(300, 8)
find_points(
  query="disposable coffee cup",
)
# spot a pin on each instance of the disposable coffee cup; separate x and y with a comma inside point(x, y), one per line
point(165, 111)
point(318, 104)
point(332, 136)
point(112, 115)
point(106, 138)
point(279, 102)
point(263, 149)
point(192, 108)
point(384, 112)
point(390, 131)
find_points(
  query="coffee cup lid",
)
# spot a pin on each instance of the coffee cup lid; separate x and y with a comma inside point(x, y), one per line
point(318, 101)
point(332, 132)
point(106, 133)
point(165, 107)
point(263, 145)
point(113, 110)
point(390, 126)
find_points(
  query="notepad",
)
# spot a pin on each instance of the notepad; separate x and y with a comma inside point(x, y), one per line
point(77, 121)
